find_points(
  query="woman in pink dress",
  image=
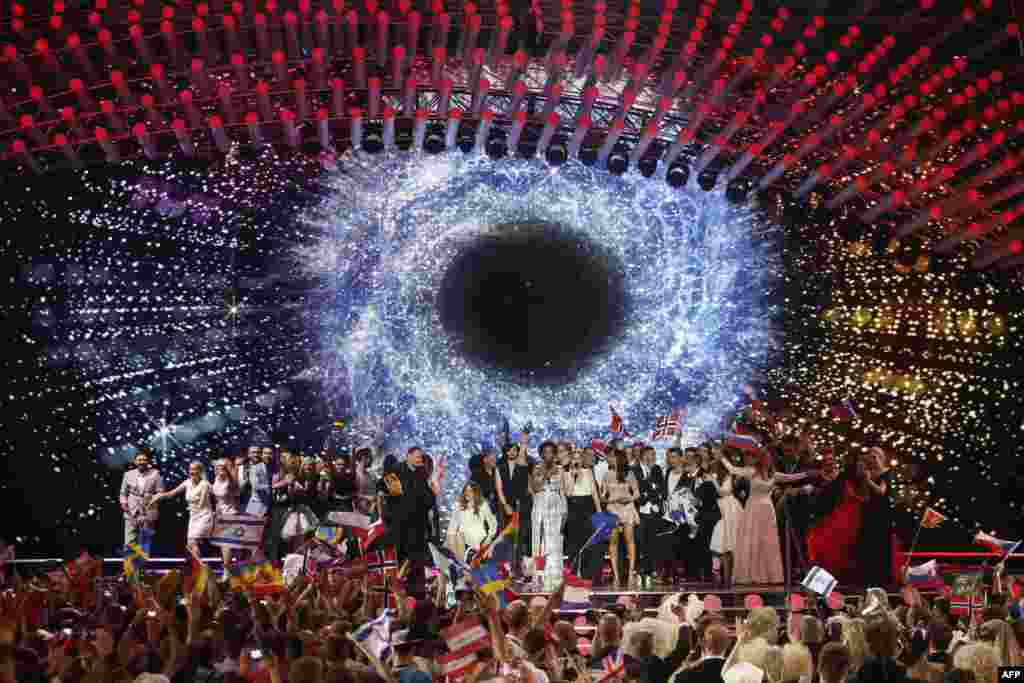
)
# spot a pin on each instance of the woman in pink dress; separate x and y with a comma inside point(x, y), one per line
point(757, 555)
point(620, 491)
point(227, 495)
point(200, 506)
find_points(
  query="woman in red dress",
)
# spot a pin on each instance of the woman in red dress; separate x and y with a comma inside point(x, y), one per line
point(838, 542)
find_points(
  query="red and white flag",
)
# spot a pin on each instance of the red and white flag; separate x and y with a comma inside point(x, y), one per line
point(469, 635)
point(437, 476)
point(667, 427)
point(457, 664)
point(370, 534)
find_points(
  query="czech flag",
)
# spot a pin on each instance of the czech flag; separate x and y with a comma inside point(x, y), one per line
point(997, 545)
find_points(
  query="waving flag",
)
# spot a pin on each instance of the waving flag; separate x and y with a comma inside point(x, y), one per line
point(456, 665)
point(923, 573)
point(616, 427)
point(489, 582)
point(437, 476)
point(603, 524)
point(667, 427)
point(577, 593)
point(997, 545)
point(370, 535)
point(448, 564)
point(819, 581)
point(469, 635)
point(743, 442)
point(134, 561)
point(932, 518)
point(238, 531)
point(504, 546)
point(613, 667)
point(599, 446)
point(374, 637)
point(843, 412)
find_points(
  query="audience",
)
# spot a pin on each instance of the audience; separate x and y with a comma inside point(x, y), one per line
point(834, 663)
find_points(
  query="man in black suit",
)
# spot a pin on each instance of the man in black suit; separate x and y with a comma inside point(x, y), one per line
point(699, 562)
point(673, 541)
point(514, 496)
point(412, 499)
point(709, 668)
point(650, 482)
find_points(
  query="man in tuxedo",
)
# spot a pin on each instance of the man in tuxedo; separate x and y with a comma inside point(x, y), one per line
point(673, 541)
point(709, 668)
point(650, 482)
point(699, 562)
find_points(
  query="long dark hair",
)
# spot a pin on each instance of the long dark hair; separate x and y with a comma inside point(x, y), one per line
point(621, 462)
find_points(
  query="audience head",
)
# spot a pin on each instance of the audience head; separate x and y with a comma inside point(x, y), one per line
point(834, 663)
point(883, 637)
point(763, 622)
point(716, 640)
point(414, 457)
point(978, 658)
point(940, 635)
point(796, 662)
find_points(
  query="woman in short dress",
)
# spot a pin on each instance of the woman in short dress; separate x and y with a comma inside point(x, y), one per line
point(198, 497)
point(473, 525)
point(723, 538)
point(620, 491)
point(227, 498)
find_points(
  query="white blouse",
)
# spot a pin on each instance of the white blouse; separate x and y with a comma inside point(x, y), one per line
point(476, 528)
point(581, 482)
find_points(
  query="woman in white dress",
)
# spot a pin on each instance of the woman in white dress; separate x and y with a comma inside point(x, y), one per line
point(198, 497)
point(473, 525)
point(227, 500)
point(549, 511)
point(757, 553)
point(723, 538)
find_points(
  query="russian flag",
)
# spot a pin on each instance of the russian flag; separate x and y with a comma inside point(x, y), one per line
point(997, 545)
point(923, 573)
point(743, 442)
point(577, 593)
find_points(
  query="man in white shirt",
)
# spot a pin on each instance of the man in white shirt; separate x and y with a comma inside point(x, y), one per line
point(138, 488)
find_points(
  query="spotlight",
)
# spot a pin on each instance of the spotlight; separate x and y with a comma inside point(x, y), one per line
point(736, 192)
point(647, 166)
point(433, 143)
point(618, 162)
point(707, 179)
point(557, 154)
point(677, 175)
point(496, 147)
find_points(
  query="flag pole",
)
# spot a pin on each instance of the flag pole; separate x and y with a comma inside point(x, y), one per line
point(917, 534)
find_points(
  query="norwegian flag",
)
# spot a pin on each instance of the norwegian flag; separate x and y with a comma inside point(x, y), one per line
point(599, 446)
point(616, 426)
point(382, 563)
point(667, 427)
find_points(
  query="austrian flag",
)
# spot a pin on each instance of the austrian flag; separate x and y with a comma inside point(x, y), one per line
point(457, 664)
point(469, 635)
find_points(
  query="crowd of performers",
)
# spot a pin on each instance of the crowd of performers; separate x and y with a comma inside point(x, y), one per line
point(710, 513)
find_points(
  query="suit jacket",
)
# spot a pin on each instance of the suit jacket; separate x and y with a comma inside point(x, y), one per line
point(709, 513)
point(650, 487)
point(706, 671)
point(684, 480)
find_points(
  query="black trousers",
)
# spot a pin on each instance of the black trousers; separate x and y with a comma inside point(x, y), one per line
point(578, 528)
point(647, 543)
point(699, 562)
point(410, 538)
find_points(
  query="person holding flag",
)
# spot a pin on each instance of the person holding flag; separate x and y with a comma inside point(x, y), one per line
point(472, 526)
point(411, 502)
point(199, 499)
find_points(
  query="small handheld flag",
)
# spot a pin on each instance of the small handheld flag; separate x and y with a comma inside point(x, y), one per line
point(819, 581)
point(997, 545)
point(923, 573)
point(743, 442)
point(469, 635)
point(577, 593)
point(932, 518)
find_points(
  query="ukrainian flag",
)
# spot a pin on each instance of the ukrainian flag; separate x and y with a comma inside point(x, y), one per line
point(489, 582)
point(135, 554)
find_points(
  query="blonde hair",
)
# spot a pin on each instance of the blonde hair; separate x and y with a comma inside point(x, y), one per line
point(796, 662)
point(753, 652)
point(980, 659)
point(763, 622)
point(856, 642)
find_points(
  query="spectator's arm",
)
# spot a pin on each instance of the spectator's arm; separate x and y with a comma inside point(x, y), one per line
point(554, 602)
